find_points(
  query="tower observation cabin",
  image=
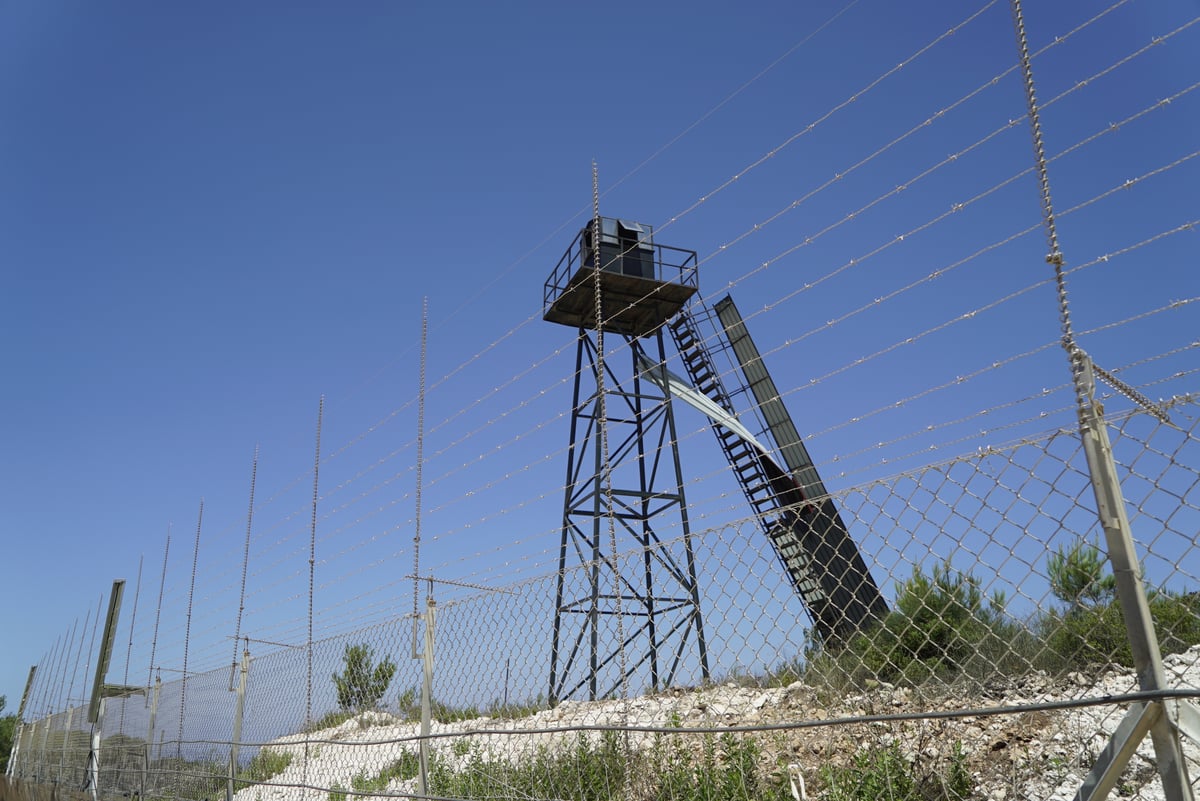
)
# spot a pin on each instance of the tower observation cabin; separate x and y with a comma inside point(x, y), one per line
point(642, 284)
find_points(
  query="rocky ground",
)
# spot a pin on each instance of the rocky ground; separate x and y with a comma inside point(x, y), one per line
point(1035, 754)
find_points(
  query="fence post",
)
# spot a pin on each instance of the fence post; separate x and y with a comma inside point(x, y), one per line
point(42, 767)
point(62, 762)
point(15, 754)
point(426, 698)
point(237, 724)
point(31, 757)
point(27, 758)
point(150, 733)
point(1152, 717)
point(93, 759)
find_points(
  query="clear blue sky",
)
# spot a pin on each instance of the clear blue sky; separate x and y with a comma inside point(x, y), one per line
point(213, 214)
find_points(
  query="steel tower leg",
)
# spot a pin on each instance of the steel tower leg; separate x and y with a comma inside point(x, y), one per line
point(650, 582)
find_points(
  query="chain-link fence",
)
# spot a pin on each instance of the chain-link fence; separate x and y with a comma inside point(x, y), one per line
point(1000, 669)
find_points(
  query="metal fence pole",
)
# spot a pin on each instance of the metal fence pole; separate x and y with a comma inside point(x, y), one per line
point(1151, 717)
point(426, 698)
point(24, 745)
point(237, 724)
point(150, 733)
point(15, 754)
point(62, 762)
point(42, 768)
point(93, 760)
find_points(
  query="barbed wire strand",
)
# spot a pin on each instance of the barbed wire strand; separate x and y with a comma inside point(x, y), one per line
point(165, 560)
point(416, 609)
point(973, 312)
point(312, 569)
point(959, 380)
point(187, 641)
point(237, 630)
point(137, 594)
point(956, 208)
point(550, 237)
point(158, 610)
point(853, 98)
point(925, 124)
point(1085, 80)
point(1056, 42)
point(1054, 256)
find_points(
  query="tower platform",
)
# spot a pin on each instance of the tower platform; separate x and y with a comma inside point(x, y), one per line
point(642, 284)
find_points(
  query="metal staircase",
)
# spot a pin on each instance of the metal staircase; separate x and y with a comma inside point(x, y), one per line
point(742, 456)
point(796, 514)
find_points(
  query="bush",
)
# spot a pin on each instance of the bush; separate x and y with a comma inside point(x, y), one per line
point(409, 703)
point(265, 765)
point(361, 684)
point(1090, 632)
point(603, 770)
point(406, 767)
point(8, 726)
point(330, 719)
point(1095, 636)
point(727, 773)
point(586, 772)
point(942, 627)
point(883, 773)
point(873, 774)
point(517, 709)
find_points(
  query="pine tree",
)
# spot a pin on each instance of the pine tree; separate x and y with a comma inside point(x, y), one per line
point(362, 683)
point(1077, 577)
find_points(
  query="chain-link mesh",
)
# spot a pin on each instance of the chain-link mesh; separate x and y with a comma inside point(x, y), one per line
point(1000, 669)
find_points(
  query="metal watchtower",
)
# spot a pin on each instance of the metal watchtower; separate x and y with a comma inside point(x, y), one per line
point(642, 601)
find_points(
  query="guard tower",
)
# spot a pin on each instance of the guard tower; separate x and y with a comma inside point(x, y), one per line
point(636, 611)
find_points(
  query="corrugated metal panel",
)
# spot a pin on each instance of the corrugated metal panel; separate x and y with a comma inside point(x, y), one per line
point(810, 536)
point(766, 395)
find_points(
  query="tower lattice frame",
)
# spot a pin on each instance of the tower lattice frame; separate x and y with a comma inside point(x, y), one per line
point(634, 612)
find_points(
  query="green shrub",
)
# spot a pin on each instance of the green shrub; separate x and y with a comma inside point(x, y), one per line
point(406, 767)
point(1176, 619)
point(265, 765)
point(409, 703)
point(942, 627)
point(8, 727)
point(1095, 636)
point(584, 772)
point(1090, 632)
point(786, 672)
point(335, 718)
point(603, 770)
point(517, 709)
point(873, 774)
point(726, 770)
point(444, 713)
point(883, 774)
